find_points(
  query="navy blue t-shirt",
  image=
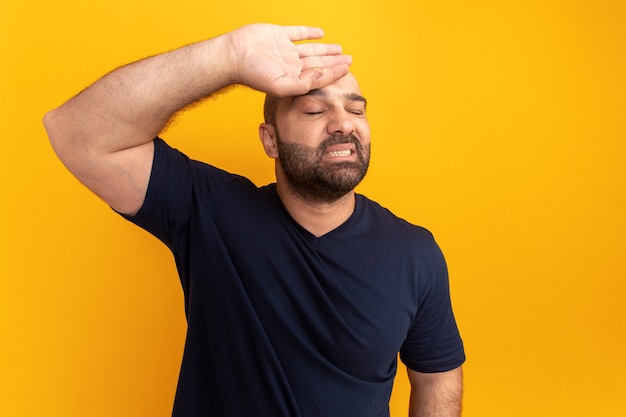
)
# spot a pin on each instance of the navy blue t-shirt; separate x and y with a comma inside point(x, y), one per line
point(283, 323)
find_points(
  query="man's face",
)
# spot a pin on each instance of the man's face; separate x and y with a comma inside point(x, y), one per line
point(323, 140)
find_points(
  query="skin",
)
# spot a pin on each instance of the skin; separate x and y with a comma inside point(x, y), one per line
point(104, 134)
point(436, 394)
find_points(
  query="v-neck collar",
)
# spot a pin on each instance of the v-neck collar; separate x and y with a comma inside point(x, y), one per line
point(304, 232)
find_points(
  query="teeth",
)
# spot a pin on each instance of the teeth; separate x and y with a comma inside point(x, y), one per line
point(340, 153)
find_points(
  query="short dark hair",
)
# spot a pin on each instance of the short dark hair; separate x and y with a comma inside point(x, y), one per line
point(269, 109)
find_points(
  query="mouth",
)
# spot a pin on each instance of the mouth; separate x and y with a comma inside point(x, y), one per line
point(346, 152)
point(340, 148)
point(342, 152)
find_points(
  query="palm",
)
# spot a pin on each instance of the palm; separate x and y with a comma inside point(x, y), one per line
point(268, 59)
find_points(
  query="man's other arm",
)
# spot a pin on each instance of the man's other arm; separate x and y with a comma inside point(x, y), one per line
point(436, 394)
point(104, 134)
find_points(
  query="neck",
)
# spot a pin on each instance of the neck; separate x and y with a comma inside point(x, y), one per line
point(316, 217)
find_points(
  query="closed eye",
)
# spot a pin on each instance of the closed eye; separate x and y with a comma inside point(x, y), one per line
point(357, 112)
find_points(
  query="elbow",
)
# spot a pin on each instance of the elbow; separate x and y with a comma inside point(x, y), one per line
point(61, 137)
point(51, 124)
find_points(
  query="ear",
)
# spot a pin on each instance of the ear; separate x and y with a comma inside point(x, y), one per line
point(267, 134)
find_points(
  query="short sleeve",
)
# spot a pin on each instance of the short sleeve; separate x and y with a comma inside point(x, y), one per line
point(175, 182)
point(433, 343)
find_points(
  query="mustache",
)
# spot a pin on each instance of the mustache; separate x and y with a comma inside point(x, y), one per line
point(339, 139)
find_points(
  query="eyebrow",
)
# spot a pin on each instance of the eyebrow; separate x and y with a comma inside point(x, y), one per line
point(321, 93)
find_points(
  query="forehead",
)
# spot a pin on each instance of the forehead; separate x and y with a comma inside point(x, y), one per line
point(345, 89)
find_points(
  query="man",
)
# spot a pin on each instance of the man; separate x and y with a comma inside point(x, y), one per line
point(300, 294)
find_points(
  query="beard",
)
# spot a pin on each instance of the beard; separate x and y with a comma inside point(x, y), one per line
point(315, 180)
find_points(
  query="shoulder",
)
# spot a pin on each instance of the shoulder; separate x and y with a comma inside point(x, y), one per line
point(174, 166)
point(383, 220)
point(179, 183)
point(400, 238)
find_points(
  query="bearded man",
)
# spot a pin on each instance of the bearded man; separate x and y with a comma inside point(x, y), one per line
point(299, 295)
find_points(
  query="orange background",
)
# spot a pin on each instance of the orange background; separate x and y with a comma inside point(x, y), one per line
point(498, 125)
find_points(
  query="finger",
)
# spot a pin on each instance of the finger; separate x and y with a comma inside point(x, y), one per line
point(326, 61)
point(311, 49)
point(301, 33)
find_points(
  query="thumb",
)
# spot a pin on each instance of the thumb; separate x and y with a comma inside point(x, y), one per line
point(313, 78)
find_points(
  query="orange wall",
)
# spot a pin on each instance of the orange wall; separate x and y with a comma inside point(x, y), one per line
point(498, 125)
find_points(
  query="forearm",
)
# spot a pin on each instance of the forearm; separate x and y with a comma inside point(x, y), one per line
point(436, 395)
point(132, 104)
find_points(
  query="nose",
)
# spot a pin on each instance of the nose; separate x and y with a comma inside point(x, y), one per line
point(341, 123)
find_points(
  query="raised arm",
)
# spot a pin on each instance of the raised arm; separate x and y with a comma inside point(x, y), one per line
point(436, 394)
point(104, 134)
